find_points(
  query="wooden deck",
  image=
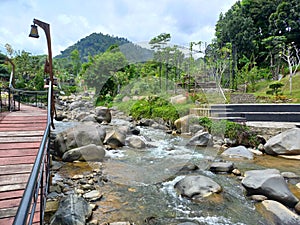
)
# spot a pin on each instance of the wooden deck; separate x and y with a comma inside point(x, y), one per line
point(20, 136)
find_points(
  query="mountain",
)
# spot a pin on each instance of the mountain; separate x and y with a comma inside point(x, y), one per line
point(98, 43)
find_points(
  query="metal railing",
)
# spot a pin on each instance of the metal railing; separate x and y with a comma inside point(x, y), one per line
point(37, 186)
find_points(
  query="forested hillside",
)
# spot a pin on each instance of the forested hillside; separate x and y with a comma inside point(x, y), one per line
point(98, 43)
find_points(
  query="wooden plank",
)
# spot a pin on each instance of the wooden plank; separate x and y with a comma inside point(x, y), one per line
point(11, 194)
point(12, 187)
point(15, 169)
point(6, 146)
point(6, 213)
point(17, 160)
point(14, 178)
point(20, 139)
point(22, 128)
point(10, 203)
point(21, 133)
point(17, 152)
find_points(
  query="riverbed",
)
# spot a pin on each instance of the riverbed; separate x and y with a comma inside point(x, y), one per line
point(139, 184)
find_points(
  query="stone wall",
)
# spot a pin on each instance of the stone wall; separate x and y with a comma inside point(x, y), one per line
point(242, 98)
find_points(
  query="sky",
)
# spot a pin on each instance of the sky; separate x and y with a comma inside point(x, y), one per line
point(137, 20)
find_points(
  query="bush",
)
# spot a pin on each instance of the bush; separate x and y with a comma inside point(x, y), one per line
point(232, 130)
point(154, 107)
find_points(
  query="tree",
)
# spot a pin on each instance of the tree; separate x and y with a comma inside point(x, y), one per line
point(273, 45)
point(285, 21)
point(158, 43)
point(101, 74)
point(275, 89)
point(76, 63)
point(291, 54)
point(9, 50)
point(237, 28)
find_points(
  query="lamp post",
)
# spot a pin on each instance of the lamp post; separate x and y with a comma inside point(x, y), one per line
point(49, 67)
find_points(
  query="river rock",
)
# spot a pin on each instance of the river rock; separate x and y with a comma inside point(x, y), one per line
point(115, 138)
point(197, 186)
point(187, 223)
point(135, 142)
point(182, 124)
point(222, 167)
point(102, 114)
point(202, 139)
point(72, 210)
point(89, 118)
point(93, 195)
point(280, 214)
point(86, 153)
point(178, 99)
point(297, 208)
point(258, 198)
point(285, 143)
point(81, 135)
point(119, 223)
point(290, 175)
point(145, 122)
point(75, 105)
point(269, 182)
point(238, 152)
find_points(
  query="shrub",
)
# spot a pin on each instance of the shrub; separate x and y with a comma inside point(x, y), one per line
point(154, 107)
point(232, 130)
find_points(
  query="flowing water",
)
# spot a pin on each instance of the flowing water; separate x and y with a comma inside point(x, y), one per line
point(139, 184)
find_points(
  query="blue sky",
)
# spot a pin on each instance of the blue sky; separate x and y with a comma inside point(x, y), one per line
point(136, 20)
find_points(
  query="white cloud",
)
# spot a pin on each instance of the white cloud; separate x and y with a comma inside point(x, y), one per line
point(136, 20)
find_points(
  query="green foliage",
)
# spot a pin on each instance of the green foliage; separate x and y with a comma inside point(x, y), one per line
point(228, 129)
point(275, 88)
point(206, 123)
point(259, 27)
point(154, 107)
point(102, 73)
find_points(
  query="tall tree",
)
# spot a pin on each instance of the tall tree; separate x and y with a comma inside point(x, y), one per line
point(101, 74)
point(285, 21)
point(291, 54)
point(159, 43)
point(76, 63)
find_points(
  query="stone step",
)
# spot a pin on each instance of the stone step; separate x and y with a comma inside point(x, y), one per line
point(252, 112)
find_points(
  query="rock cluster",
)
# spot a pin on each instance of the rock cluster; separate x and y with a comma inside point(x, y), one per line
point(94, 136)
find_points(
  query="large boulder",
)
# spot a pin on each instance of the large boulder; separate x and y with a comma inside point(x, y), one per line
point(221, 167)
point(136, 142)
point(197, 186)
point(115, 138)
point(178, 99)
point(102, 114)
point(183, 124)
point(270, 183)
point(201, 139)
point(85, 153)
point(81, 135)
point(72, 210)
point(280, 214)
point(285, 143)
point(240, 152)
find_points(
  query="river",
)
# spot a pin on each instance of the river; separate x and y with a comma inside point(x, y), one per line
point(139, 183)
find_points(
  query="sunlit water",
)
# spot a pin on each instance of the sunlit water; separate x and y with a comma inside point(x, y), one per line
point(140, 186)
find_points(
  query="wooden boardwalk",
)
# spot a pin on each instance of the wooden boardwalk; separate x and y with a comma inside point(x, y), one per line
point(20, 136)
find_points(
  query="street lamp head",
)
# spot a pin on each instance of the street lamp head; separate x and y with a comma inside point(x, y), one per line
point(34, 31)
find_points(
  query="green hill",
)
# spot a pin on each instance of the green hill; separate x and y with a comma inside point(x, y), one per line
point(97, 43)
